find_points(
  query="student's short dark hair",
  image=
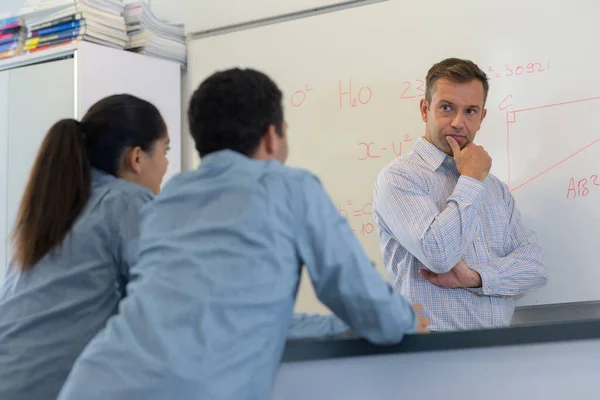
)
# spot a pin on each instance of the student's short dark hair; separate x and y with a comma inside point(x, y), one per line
point(233, 109)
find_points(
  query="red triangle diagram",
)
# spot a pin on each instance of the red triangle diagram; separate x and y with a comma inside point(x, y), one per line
point(558, 122)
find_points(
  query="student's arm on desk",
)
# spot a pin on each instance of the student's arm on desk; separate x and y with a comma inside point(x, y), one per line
point(437, 239)
point(314, 326)
point(342, 274)
point(523, 268)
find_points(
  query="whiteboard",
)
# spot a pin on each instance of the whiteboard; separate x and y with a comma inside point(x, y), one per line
point(352, 81)
point(212, 14)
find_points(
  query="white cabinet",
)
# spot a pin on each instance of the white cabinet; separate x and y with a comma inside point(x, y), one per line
point(38, 96)
point(3, 167)
point(36, 91)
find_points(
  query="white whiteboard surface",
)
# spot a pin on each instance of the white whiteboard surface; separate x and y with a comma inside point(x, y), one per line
point(352, 81)
point(211, 14)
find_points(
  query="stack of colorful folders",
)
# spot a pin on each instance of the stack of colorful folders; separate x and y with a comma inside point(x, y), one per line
point(64, 22)
point(12, 37)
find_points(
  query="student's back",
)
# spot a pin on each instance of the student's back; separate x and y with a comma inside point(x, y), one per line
point(76, 237)
point(221, 251)
point(49, 313)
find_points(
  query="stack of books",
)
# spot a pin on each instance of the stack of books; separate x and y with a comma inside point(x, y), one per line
point(150, 36)
point(12, 37)
point(66, 21)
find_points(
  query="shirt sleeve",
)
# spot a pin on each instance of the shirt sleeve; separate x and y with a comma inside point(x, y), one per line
point(522, 269)
point(343, 276)
point(309, 326)
point(437, 238)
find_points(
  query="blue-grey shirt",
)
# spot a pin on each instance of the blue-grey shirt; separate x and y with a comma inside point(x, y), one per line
point(221, 251)
point(317, 326)
point(49, 313)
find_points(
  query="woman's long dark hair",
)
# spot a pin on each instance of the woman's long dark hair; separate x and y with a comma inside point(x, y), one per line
point(59, 184)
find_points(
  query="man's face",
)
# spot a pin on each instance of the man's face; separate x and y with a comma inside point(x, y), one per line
point(456, 109)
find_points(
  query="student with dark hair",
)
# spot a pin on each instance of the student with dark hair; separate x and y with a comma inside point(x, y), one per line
point(221, 251)
point(75, 239)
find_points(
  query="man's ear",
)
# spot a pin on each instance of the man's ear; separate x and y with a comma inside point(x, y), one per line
point(271, 140)
point(424, 108)
point(133, 159)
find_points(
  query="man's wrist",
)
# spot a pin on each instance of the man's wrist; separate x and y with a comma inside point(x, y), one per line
point(475, 175)
point(477, 282)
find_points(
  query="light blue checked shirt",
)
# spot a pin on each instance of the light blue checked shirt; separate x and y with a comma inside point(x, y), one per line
point(429, 216)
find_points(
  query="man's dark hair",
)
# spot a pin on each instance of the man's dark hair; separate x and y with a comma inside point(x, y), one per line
point(233, 109)
point(455, 70)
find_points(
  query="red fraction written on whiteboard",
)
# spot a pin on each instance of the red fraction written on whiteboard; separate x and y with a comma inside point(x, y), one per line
point(364, 210)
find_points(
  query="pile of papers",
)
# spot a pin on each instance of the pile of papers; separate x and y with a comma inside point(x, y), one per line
point(150, 36)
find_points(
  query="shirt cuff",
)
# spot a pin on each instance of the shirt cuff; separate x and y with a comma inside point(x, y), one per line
point(468, 190)
point(414, 329)
point(489, 280)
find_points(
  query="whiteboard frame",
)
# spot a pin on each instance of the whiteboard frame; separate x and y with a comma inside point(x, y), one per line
point(281, 18)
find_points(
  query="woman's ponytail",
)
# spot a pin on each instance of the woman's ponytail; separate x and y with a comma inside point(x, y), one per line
point(60, 180)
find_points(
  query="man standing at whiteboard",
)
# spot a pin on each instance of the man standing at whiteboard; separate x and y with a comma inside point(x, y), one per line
point(451, 236)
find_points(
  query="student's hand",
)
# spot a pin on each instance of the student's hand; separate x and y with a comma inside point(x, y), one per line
point(461, 276)
point(422, 322)
point(472, 160)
